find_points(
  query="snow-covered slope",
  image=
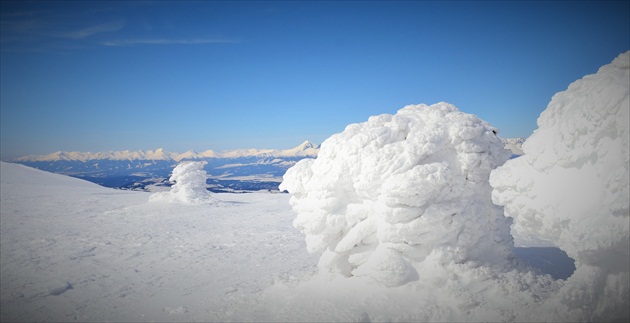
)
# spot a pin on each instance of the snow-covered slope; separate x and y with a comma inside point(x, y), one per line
point(75, 251)
point(306, 149)
point(571, 187)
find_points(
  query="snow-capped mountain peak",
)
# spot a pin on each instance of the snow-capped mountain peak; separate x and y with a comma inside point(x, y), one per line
point(307, 145)
point(306, 149)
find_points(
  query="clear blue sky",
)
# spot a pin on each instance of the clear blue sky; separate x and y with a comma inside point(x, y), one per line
point(98, 76)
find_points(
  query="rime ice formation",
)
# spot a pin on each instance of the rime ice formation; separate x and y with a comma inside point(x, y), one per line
point(190, 185)
point(385, 194)
point(571, 188)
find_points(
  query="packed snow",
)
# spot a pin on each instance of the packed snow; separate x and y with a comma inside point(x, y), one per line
point(571, 188)
point(416, 216)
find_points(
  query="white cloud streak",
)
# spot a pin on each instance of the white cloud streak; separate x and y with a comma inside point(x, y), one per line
point(163, 41)
point(89, 31)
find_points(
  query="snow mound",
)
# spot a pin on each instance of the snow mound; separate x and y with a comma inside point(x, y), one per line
point(571, 188)
point(190, 185)
point(384, 194)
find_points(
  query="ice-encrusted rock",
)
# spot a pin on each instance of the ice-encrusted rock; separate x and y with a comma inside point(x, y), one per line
point(189, 187)
point(384, 194)
point(571, 188)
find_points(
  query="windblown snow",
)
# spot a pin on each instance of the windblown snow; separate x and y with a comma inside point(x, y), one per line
point(398, 214)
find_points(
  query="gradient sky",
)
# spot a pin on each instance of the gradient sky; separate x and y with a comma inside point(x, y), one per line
point(99, 76)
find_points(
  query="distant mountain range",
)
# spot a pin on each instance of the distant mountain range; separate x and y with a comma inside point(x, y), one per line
point(306, 149)
point(228, 171)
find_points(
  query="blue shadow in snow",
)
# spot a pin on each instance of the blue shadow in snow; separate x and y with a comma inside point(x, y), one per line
point(549, 260)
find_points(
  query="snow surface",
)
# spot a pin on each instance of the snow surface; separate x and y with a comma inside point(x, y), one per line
point(571, 188)
point(75, 251)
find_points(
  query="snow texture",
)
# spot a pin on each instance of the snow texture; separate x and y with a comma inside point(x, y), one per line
point(190, 185)
point(383, 195)
point(73, 251)
point(571, 188)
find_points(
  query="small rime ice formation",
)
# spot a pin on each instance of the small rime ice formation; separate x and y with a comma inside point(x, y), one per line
point(190, 185)
point(571, 188)
point(385, 194)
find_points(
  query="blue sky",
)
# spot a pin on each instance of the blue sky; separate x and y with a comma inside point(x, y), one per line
point(98, 76)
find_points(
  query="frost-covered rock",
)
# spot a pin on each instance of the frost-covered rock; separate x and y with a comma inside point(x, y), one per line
point(384, 194)
point(190, 185)
point(571, 188)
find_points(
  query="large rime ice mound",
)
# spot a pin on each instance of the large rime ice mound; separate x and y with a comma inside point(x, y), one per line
point(571, 187)
point(384, 194)
point(190, 185)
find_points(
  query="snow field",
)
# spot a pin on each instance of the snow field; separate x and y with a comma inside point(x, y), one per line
point(82, 252)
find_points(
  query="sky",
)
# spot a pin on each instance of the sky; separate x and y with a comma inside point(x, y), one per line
point(100, 76)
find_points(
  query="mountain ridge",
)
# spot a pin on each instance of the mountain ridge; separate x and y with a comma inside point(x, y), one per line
point(306, 149)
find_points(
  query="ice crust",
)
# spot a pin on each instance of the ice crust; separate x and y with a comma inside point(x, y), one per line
point(384, 194)
point(190, 185)
point(571, 188)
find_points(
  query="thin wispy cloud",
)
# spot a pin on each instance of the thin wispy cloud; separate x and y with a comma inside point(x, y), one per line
point(164, 41)
point(92, 30)
point(40, 35)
